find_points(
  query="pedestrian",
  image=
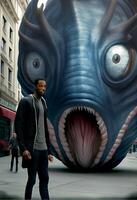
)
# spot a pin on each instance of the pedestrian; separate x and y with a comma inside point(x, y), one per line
point(13, 145)
point(33, 138)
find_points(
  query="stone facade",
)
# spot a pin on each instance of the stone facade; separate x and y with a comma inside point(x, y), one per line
point(11, 12)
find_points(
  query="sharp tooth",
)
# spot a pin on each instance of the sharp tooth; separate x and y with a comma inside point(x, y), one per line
point(104, 136)
point(62, 121)
point(101, 125)
point(104, 129)
point(62, 125)
point(91, 111)
point(51, 130)
point(98, 118)
point(121, 132)
point(65, 113)
point(104, 142)
point(101, 148)
point(133, 113)
point(61, 129)
point(97, 115)
point(65, 144)
point(125, 126)
point(100, 122)
point(136, 109)
point(128, 119)
point(117, 141)
point(120, 135)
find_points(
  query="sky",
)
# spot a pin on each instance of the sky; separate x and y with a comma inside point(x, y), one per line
point(42, 1)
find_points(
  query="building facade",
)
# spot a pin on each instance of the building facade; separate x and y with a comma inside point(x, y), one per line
point(11, 12)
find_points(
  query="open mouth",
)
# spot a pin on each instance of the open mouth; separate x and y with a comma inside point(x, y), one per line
point(85, 133)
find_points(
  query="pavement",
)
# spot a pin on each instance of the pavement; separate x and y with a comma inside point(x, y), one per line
point(64, 184)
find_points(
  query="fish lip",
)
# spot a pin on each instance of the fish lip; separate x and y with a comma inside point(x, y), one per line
point(63, 139)
point(101, 125)
point(121, 134)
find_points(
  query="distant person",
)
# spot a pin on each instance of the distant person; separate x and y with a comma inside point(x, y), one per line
point(33, 137)
point(14, 151)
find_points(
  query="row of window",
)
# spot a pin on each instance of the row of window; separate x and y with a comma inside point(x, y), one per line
point(3, 47)
point(2, 66)
point(3, 42)
point(8, 77)
point(5, 29)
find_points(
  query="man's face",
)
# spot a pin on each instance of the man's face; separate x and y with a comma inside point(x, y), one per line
point(41, 87)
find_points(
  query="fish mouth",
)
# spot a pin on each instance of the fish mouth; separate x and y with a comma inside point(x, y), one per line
point(83, 135)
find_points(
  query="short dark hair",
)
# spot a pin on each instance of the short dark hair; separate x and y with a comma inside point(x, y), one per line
point(37, 81)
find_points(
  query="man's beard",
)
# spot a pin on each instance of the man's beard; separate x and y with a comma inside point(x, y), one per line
point(39, 94)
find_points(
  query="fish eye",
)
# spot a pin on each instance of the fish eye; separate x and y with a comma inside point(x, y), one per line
point(35, 66)
point(36, 63)
point(116, 58)
point(118, 61)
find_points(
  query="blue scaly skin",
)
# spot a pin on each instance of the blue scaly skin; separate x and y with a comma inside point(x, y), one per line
point(86, 49)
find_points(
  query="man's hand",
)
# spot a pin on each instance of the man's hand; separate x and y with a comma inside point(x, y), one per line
point(26, 154)
point(50, 158)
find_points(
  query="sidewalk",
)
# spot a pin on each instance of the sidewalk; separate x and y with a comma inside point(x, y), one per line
point(64, 184)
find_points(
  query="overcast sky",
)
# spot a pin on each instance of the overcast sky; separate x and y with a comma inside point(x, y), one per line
point(40, 2)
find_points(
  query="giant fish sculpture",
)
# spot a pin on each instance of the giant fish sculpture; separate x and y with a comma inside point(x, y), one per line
point(87, 52)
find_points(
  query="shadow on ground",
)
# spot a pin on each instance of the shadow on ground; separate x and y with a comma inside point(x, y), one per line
point(116, 171)
point(5, 196)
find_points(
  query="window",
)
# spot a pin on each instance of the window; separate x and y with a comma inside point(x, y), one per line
point(4, 24)
point(3, 45)
point(9, 76)
point(10, 53)
point(19, 95)
point(11, 34)
point(2, 68)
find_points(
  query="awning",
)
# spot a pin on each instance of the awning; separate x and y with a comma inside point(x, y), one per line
point(5, 112)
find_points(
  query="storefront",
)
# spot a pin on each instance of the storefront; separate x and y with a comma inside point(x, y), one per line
point(7, 117)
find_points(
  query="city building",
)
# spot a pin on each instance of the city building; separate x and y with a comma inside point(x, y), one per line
point(11, 12)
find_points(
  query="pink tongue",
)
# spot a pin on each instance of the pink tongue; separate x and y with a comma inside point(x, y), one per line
point(84, 138)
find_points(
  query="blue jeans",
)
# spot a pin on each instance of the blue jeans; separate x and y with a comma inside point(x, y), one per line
point(38, 164)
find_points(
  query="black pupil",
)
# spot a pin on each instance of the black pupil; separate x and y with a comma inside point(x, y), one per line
point(116, 58)
point(36, 63)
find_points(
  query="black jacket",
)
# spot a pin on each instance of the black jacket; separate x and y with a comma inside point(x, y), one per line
point(26, 123)
point(13, 143)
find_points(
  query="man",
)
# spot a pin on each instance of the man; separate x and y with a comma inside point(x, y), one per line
point(33, 139)
point(14, 151)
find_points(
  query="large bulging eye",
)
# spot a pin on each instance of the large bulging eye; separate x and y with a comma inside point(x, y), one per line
point(34, 66)
point(118, 61)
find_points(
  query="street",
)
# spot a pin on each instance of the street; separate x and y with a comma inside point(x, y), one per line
point(120, 183)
